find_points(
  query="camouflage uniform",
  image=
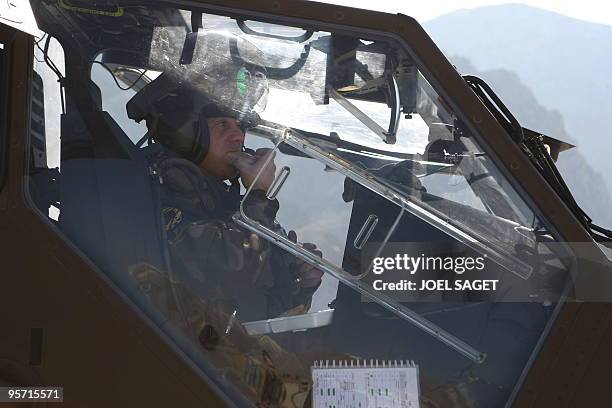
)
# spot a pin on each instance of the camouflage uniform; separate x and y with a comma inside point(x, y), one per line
point(220, 261)
point(217, 268)
point(256, 366)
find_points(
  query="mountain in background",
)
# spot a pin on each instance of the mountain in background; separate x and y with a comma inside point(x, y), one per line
point(586, 183)
point(554, 73)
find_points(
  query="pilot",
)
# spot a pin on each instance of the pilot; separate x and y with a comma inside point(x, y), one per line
point(199, 114)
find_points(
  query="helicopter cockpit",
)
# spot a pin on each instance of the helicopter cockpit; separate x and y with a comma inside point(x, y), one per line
point(373, 162)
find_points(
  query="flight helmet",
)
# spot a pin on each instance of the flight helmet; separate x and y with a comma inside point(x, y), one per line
point(225, 78)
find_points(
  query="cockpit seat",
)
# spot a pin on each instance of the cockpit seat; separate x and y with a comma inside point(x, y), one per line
point(108, 209)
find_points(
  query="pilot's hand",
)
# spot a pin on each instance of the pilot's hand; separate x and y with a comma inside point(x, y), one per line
point(249, 165)
point(308, 275)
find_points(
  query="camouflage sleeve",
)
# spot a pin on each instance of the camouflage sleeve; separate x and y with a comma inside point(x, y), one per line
point(265, 373)
point(287, 293)
point(259, 208)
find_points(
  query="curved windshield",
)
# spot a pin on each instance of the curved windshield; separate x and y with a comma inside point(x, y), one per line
point(301, 211)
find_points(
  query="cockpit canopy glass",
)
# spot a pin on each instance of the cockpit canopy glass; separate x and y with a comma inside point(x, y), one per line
point(369, 158)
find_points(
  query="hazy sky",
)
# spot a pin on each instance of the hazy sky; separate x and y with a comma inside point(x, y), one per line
point(599, 11)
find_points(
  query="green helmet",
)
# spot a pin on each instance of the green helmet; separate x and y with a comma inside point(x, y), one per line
point(225, 78)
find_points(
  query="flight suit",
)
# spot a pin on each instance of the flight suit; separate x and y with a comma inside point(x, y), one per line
point(219, 260)
point(220, 275)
